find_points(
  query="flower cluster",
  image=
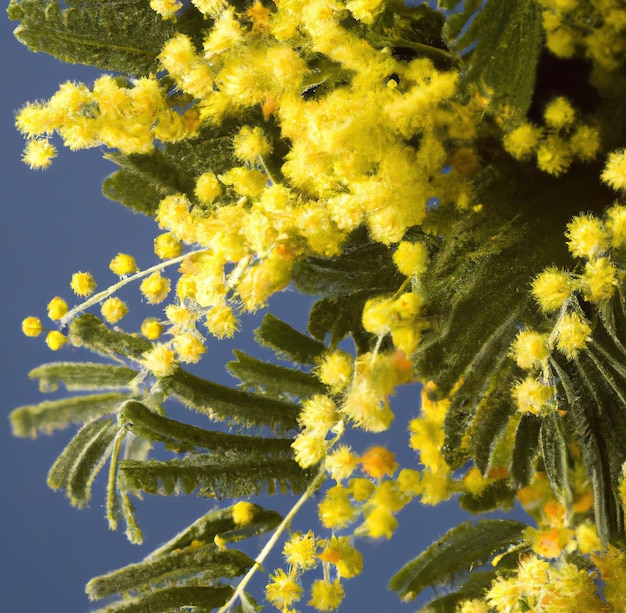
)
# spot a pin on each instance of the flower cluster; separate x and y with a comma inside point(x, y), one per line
point(592, 28)
point(562, 140)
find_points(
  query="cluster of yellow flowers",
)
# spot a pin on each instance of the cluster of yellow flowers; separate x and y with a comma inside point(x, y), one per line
point(562, 140)
point(592, 240)
point(373, 496)
point(87, 118)
point(595, 27)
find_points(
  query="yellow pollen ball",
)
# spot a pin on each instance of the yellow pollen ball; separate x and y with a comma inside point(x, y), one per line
point(151, 328)
point(155, 288)
point(113, 310)
point(243, 513)
point(167, 246)
point(530, 349)
point(586, 236)
point(38, 154)
point(551, 289)
point(208, 188)
point(31, 326)
point(123, 264)
point(614, 173)
point(83, 284)
point(378, 462)
point(55, 340)
point(57, 308)
point(326, 596)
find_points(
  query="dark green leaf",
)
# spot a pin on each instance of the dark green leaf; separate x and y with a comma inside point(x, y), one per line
point(203, 561)
point(231, 405)
point(497, 495)
point(473, 587)
point(77, 467)
point(220, 522)
point(525, 450)
point(115, 35)
point(459, 550)
point(287, 341)
point(89, 331)
point(79, 376)
point(52, 415)
point(214, 476)
point(554, 452)
point(508, 40)
point(171, 599)
point(177, 436)
point(274, 380)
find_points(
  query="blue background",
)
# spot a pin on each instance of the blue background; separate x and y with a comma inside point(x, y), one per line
point(54, 223)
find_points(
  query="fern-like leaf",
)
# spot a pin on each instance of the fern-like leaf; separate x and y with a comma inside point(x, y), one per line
point(213, 476)
point(79, 463)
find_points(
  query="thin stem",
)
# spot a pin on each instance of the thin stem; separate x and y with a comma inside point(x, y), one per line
point(258, 562)
point(100, 296)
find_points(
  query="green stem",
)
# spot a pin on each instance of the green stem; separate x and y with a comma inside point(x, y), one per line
point(100, 296)
point(258, 562)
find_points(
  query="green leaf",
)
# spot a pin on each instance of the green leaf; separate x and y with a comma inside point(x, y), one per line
point(497, 495)
point(177, 436)
point(287, 341)
point(459, 550)
point(525, 450)
point(171, 599)
point(81, 376)
point(79, 463)
point(203, 562)
point(231, 405)
point(90, 332)
point(115, 35)
point(50, 415)
point(274, 380)
point(220, 522)
point(143, 180)
point(190, 555)
point(554, 452)
point(473, 587)
point(212, 476)
point(508, 41)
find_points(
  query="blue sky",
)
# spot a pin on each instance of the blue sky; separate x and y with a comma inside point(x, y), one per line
point(54, 223)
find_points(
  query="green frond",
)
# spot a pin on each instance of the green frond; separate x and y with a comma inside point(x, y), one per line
point(81, 460)
point(144, 179)
point(82, 376)
point(90, 332)
point(273, 380)
point(230, 405)
point(288, 342)
point(180, 437)
point(115, 35)
point(461, 549)
point(190, 555)
point(199, 562)
point(343, 284)
point(51, 415)
point(507, 39)
point(171, 599)
point(214, 476)
point(220, 522)
point(474, 586)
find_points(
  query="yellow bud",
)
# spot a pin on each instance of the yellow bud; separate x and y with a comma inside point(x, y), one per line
point(123, 264)
point(83, 284)
point(55, 340)
point(113, 310)
point(57, 308)
point(167, 246)
point(151, 328)
point(31, 326)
